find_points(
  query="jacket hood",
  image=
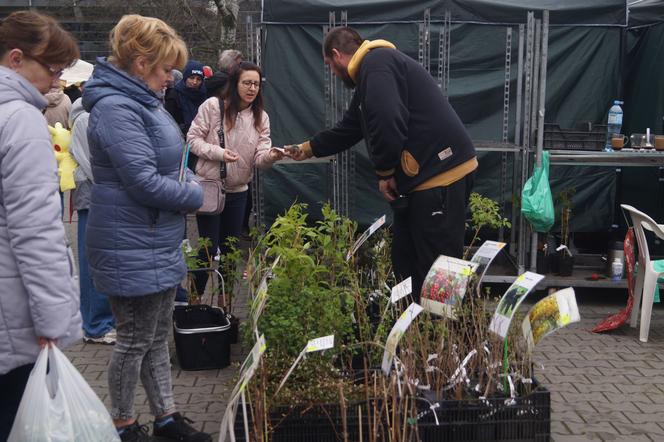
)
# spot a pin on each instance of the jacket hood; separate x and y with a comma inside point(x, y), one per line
point(367, 45)
point(76, 111)
point(108, 80)
point(54, 97)
point(14, 86)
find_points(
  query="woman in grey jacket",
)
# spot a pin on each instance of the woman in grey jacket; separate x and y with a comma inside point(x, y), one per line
point(135, 224)
point(38, 290)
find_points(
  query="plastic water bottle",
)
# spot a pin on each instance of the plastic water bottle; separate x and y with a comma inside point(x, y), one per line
point(614, 123)
point(616, 270)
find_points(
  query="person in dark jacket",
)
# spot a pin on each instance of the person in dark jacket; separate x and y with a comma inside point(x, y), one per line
point(227, 61)
point(136, 222)
point(183, 100)
point(423, 157)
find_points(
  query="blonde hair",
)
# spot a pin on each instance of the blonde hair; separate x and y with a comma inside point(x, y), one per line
point(135, 35)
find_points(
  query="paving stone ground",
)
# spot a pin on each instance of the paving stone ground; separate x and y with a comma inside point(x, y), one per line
point(604, 387)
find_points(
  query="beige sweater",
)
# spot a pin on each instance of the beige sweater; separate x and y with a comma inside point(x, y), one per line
point(59, 106)
point(252, 146)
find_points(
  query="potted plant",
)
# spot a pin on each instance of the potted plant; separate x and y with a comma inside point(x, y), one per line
point(448, 382)
point(484, 212)
point(565, 258)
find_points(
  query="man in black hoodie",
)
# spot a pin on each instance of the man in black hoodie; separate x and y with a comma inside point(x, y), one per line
point(423, 157)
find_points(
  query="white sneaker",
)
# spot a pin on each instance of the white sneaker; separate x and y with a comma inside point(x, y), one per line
point(108, 339)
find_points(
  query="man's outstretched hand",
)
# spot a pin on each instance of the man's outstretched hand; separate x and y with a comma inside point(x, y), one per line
point(296, 152)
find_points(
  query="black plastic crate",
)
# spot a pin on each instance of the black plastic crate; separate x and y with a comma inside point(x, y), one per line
point(527, 419)
point(586, 137)
point(202, 337)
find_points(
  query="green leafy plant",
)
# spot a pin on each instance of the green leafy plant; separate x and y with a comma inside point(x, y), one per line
point(564, 200)
point(484, 212)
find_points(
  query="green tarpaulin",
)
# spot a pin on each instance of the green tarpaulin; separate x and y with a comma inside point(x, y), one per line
point(584, 76)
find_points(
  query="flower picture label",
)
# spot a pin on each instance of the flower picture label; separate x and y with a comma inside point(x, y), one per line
point(485, 255)
point(509, 303)
point(446, 284)
point(550, 314)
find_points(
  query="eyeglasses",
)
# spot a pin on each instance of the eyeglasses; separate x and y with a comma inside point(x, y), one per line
point(248, 83)
point(55, 73)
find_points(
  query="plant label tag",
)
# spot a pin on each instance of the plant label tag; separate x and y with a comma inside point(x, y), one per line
point(314, 345)
point(484, 256)
point(550, 314)
point(320, 344)
point(247, 370)
point(365, 235)
point(446, 284)
point(509, 303)
point(396, 333)
point(404, 288)
point(258, 303)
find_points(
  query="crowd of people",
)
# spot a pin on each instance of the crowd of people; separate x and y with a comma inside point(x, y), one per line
point(129, 129)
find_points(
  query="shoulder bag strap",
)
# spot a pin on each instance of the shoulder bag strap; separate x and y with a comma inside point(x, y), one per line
point(222, 138)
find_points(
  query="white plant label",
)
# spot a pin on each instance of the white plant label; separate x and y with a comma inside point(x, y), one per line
point(365, 235)
point(550, 314)
point(320, 344)
point(484, 256)
point(314, 345)
point(401, 290)
point(247, 370)
point(509, 303)
point(396, 333)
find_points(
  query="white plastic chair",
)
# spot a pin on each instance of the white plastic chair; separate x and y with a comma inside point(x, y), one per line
point(646, 279)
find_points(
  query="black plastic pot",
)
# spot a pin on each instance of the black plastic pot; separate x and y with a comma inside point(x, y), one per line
point(565, 263)
point(528, 419)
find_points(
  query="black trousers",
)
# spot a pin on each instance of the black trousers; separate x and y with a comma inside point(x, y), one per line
point(432, 224)
point(218, 228)
point(12, 385)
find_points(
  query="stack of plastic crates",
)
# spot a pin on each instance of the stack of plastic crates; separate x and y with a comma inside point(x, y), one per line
point(586, 137)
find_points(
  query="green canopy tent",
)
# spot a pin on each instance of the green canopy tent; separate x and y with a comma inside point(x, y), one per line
point(584, 76)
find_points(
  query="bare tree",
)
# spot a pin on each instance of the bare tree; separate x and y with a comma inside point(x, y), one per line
point(227, 11)
point(208, 27)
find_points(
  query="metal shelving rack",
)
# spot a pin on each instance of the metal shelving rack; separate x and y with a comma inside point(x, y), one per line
point(530, 90)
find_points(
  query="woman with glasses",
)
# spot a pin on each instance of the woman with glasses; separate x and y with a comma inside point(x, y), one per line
point(136, 221)
point(246, 144)
point(38, 291)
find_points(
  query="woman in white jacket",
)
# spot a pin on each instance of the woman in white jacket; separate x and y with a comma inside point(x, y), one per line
point(246, 145)
point(38, 290)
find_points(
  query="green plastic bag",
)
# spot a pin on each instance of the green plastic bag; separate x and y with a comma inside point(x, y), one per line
point(536, 199)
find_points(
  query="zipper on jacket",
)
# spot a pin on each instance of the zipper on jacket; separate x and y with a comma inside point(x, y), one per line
point(154, 216)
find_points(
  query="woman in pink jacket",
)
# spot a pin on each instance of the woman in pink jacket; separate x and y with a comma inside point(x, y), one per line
point(246, 144)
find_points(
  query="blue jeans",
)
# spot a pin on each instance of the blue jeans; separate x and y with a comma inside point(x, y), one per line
point(95, 310)
point(141, 352)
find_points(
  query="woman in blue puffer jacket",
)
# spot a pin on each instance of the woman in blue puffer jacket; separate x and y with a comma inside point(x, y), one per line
point(135, 223)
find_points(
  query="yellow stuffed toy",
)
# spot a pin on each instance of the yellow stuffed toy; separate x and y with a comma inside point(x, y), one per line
point(61, 138)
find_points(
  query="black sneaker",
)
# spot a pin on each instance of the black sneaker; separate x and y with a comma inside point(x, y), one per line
point(135, 433)
point(180, 430)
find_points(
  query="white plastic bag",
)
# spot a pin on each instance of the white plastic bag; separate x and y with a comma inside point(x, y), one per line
point(59, 406)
